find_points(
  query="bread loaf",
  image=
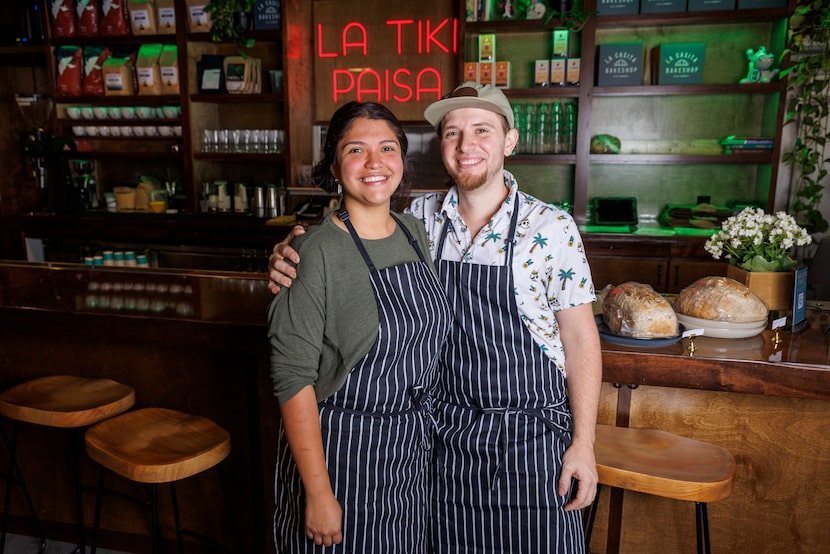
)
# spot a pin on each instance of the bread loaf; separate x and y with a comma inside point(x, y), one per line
point(635, 310)
point(720, 299)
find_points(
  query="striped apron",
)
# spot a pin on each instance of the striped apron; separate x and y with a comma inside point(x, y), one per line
point(378, 430)
point(503, 424)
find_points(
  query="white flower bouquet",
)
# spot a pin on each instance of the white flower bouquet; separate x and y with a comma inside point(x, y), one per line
point(757, 241)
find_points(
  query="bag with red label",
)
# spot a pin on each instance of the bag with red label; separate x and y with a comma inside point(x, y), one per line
point(114, 21)
point(62, 14)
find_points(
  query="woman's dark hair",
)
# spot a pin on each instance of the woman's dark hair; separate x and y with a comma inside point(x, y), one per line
point(340, 124)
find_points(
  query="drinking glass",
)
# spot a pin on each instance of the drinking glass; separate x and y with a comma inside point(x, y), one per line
point(236, 140)
point(222, 140)
point(209, 140)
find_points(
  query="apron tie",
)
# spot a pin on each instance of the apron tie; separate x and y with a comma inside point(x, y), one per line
point(423, 403)
point(561, 432)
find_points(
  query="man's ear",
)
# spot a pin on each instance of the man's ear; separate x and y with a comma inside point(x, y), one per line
point(510, 141)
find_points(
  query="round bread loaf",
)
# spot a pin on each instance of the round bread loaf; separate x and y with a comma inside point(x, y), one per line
point(720, 299)
point(636, 310)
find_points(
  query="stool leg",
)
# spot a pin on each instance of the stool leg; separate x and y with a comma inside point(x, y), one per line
point(15, 475)
point(176, 518)
point(76, 441)
point(615, 506)
point(702, 524)
point(99, 493)
point(588, 518)
point(181, 531)
point(237, 532)
point(158, 539)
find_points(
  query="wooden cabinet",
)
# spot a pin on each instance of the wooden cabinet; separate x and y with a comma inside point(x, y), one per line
point(668, 264)
point(618, 259)
point(669, 134)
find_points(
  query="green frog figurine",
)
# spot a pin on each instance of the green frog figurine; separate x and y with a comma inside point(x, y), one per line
point(760, 66)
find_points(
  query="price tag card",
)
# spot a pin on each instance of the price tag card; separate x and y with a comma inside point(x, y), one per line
point(692, 333)
point(778, 323)
point(799, 299)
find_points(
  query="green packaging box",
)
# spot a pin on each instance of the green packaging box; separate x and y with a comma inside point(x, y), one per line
point(662, 6)
point(710, 5)
point(561, 40)
point(677, 64)
point(618, 7)
point(487, 47)
point(620, 64)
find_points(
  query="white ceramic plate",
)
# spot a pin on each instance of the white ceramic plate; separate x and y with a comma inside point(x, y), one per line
point(723, 329)
point(724, 324)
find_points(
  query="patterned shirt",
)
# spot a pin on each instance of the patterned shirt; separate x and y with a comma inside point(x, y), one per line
point(550, 271)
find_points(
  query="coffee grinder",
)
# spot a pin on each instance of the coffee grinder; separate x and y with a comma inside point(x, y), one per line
point(48, 156)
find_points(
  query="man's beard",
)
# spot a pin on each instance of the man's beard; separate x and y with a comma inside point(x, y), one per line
point(467, 182)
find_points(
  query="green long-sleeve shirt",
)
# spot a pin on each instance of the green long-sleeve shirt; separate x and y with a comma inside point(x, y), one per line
point(323, 325)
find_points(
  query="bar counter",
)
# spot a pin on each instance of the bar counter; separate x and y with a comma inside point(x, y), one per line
point(196, 341)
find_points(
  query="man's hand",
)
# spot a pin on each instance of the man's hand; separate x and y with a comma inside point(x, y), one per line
point(579, 463)
point(282, 260)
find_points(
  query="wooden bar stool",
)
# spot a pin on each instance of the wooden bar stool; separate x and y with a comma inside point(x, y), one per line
point(63, 401)
point(157, 445)
point(663, 464)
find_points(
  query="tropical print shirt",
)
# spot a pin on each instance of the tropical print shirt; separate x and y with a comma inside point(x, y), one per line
point(550, 271)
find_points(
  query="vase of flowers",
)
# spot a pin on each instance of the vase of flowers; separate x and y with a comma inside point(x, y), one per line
point(757, 246)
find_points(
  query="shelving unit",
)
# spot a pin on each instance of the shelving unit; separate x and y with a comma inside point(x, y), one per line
point(669, 133)
point(123, 158)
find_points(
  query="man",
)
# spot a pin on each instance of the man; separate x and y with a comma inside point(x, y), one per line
point(516, 404)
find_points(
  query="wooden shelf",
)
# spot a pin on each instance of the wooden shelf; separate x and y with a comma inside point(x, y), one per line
point(259, 98)
point(265, 36)
point(133, 155)
point(126, 40)
point(542, 92)
point(547, 159)
point(689, 18)
point(239, 157)
point(148, 100)
point(691, 90)
point(764, 157)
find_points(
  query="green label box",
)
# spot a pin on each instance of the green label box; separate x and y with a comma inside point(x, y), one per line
point(710, 5)
point(677, 64)
point(618, 7)
point(620, 64)
point(761, 4)
point(662, 6)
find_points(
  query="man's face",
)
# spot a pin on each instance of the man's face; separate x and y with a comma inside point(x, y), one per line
point(474, 145)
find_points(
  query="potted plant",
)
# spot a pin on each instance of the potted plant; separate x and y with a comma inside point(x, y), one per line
point(230, 20)
point(758, 247)
point(808, 45)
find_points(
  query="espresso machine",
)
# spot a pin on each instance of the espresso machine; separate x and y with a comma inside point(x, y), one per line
point(48, 156)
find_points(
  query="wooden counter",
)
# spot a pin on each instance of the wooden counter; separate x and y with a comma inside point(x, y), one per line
point(765, 404)
point(197, 342)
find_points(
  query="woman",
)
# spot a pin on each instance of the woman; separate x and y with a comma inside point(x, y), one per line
point(353, 352)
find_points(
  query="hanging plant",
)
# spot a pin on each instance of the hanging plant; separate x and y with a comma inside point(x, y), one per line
point(569, 14)
point(230, 21)
point(808, 44)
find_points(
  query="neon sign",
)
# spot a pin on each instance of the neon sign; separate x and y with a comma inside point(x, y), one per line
point(396, 61)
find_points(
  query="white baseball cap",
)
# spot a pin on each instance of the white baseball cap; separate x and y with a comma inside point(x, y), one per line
point(470, 95)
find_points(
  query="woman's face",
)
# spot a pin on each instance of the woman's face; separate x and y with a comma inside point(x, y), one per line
point(369, 162)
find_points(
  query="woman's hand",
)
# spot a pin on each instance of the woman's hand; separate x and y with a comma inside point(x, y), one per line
point(323, 520)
